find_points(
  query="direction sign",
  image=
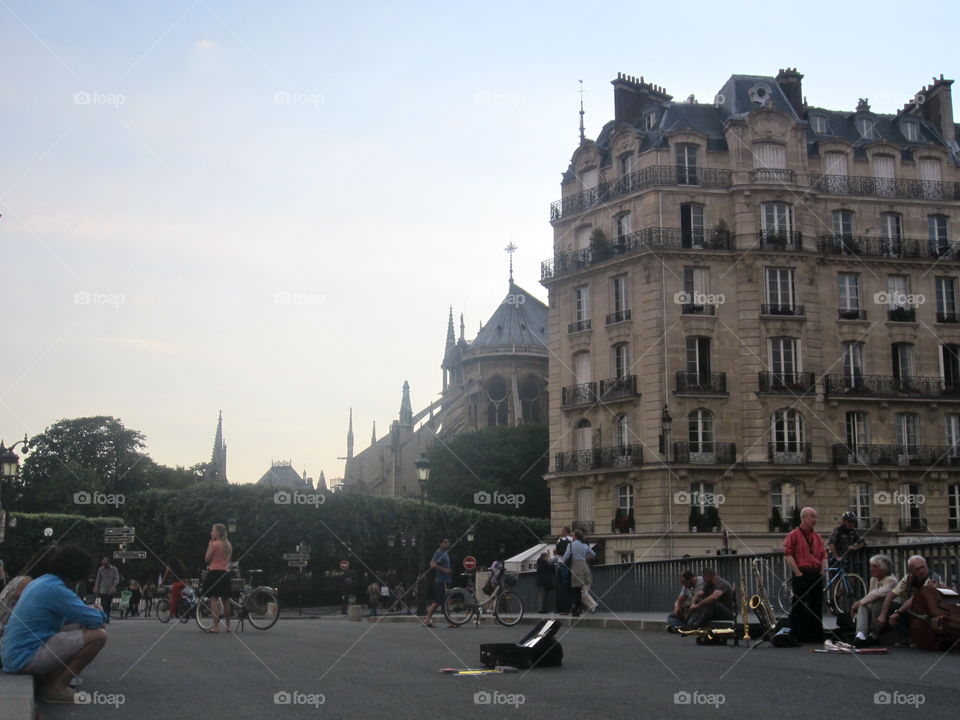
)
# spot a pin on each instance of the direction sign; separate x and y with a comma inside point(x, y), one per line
point(118, 539)
point(469, 562)
point(296, 556)
point(297, 563)
point(119, 531)
point(130, 554)
point(344, 564)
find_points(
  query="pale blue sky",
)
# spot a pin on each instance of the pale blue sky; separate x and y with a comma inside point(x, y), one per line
point(184, 162)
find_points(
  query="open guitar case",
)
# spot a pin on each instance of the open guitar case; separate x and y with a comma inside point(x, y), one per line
point(537, 649)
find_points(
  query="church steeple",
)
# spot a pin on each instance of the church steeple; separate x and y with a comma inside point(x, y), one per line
point(451, 340)
point(373, 435)
point(350, 438)
point(406, 410)
point(217, 469)
point(462, 330)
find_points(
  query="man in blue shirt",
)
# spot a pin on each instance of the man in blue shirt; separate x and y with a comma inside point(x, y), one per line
point(440, 563)
point(51, 633)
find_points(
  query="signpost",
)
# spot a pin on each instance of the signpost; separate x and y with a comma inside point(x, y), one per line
point(130, 554)
point(344, 564)
point(118, 536)
point(299, 560)
point(469, 563)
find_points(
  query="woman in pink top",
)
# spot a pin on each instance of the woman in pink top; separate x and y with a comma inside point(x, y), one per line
point(217, 587)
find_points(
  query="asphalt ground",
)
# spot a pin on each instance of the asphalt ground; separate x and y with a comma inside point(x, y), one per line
point(332, 668)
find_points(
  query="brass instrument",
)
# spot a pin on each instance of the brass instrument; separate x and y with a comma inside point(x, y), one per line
point(760, 603)
point(710, 634)
point(744, 604)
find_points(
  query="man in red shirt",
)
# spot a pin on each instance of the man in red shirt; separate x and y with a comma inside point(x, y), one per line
point(807, 559)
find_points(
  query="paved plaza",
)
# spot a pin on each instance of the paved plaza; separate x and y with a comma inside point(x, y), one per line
point(333, 668)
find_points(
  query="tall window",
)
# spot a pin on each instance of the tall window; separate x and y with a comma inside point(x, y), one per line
point(848, 285)
point(776, 224)
point(860, 503)
point(531, 391)
point(650, 121)
point(819, 124)
point(899, 301)
point(583, 436)
point(497, 405)
point(930, 178)
point(621, 359)
point(623, 226)
point(628, 164)
point(937, 234)
point(953, 507)
point(769, 162)
point(903, 362)
point(856, 430)
point(618, 297)
point(908, 434)
point(583, 237)
point(784, 357)
point(691, 225)
point(842, 224)
point(835, 163)
point(704, 511)
point(891, 234)
point(700, 431)
point(780, 295)
point(884, 174)
point(623, 519)
point(951, 424)
point(946, 288)
point(698, 359)
point(584, 510)
point(950, 366)
point(911, 131)
point(853, 363)
point(582, 367)
point(911, 509)
point(621, 431)
point(787, 431)
point(625, 497)
point(696, 287)
point(590, 179)
point(785, 506)
point(687, 165)
point(866, 127)
point(581, 303)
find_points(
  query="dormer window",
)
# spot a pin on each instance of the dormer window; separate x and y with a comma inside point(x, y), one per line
point(819, 124)
point(911, 131)
point(866, 127)
point(649, 121)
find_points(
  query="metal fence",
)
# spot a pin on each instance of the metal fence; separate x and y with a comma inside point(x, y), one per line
point(653, 586)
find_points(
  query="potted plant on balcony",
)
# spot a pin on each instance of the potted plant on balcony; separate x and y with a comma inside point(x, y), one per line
point(721, 238)
point(599, 245)
point(622, 521)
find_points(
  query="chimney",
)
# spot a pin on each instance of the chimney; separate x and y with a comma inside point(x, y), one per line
point(936, 105)
point(631, 95)
point(789, 81)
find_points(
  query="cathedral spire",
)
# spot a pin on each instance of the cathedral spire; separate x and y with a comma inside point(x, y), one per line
point(373, 435)
point(462, 330)
point(350, 438)
point(406, 410)
point(451, 340)
point(582, 136)
point(217, 469)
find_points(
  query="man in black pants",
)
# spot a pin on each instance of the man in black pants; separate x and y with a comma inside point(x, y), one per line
point(562, 586)
point(807, 559)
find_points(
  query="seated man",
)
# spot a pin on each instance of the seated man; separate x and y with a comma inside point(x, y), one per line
point(867, 609)
point(681, 606)
point(901, 597)
point(713, 599)
point(37, 641)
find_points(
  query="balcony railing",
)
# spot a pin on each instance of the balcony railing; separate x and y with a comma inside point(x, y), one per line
point(636, 181)
point(787, 383)
point(899, 248)
point(621, 456)
point(789, 453)
point(781, 240)
point(948, 317)
point(850, 314)
point(691, 309)
point(618, 388)
point(649, 239)
point(924, 456)
point(618, 317)
point(578, 326)
point(902, 314)
point(914, 525)
point(788, 310)
point(582, 394)
point(774, 175)
point(706, 453)
point(888, 386)
point(692, 382)
point(885, 187)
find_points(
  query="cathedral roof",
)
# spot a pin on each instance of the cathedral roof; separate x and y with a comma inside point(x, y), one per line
point(519, 320)
point(282, 474)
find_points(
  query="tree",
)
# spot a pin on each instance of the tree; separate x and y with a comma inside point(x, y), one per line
point(468, 469)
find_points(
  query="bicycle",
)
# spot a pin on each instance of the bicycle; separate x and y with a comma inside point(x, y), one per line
point(186, 606)
point(461, 604)
point(260, 605)
point(841, 591)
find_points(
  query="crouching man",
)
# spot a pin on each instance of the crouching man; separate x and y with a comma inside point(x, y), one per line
point(51, 633)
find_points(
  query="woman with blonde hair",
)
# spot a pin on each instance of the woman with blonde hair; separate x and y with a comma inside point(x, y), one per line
point(217, 586)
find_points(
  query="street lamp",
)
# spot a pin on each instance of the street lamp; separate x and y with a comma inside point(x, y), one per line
point(423, 475)
point(232, 525)
point(10, 464)
point(666, 422)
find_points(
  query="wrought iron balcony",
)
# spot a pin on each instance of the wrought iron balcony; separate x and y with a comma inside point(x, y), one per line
point(849, 314)
point(691, 309)
point(621, 456)
point(902, 314)
point(787, 310)
point(787, 383)
point(692, 382)
point(951, 316)
point(781, 176)
point(706, 453)
point(578, 326)
point(925, 456)
point(647, 240)
point(885, 187)
point(618, 317)
point(582, 394)
point(789, 453)
point(885, 386)
point(618, 388)
point(781, 240)
point(636, 181)
point(899, 248)
point(914, 525)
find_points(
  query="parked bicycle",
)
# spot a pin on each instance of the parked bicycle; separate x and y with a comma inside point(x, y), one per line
point(461, 604)
point(841, 591)
point(186, 605)
point(260, 605)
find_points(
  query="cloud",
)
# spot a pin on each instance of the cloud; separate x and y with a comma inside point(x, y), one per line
point(206, 45)
point(151, 346)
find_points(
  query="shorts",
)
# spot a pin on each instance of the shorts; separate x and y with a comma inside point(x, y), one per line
point(440, 592)
point(217, 584)
point(55, 653)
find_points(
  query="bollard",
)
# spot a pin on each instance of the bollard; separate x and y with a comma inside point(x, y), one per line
point(355, 613)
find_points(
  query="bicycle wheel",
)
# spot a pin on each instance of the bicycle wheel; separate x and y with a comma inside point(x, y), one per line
point(203, 614)
point(844, 594)
point(459, 606)
point(785, 596)
point(163, 611)
point(262, 607)
point(508, 609)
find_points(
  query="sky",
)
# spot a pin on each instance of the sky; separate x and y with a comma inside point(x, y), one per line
point(267, 209)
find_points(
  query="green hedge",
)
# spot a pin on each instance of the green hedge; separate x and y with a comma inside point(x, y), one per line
point(23, 540)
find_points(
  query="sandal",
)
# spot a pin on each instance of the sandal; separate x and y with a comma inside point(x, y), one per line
point(427, 623)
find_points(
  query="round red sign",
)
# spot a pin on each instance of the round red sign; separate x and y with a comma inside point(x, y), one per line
point(469, 562)
point(344, 564)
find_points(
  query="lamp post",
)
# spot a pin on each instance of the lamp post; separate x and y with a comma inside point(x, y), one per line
point(9, 472)
point(666, 422)
point(423, 475)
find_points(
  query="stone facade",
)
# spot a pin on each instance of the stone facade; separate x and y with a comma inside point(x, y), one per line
point(781, 281)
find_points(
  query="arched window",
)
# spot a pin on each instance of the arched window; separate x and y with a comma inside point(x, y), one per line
point(497, 406)
point(530, 390)
point(784, 506)
point(704, 508)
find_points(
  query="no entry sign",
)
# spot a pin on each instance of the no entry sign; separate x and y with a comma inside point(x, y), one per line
point(469, 562)
point(344, 564)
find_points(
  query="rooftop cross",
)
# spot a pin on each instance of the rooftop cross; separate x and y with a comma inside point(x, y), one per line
point(510, 250)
